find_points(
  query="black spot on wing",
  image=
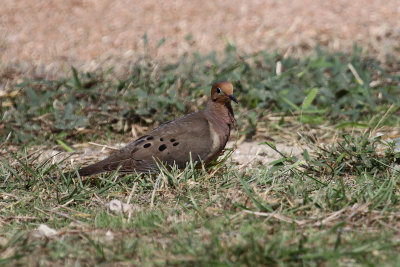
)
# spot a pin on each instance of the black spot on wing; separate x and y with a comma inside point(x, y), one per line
point(150, 138)
point(162, 147)
point(175, 144)
point(147, 145)
point(161, 139)
point(172, 140)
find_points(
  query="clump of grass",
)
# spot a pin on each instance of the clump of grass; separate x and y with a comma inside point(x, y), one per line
point(346, 90)
point(336, 205)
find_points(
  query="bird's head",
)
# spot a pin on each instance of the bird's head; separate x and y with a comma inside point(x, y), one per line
point(222, 92)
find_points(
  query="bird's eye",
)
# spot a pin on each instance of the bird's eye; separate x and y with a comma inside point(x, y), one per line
point(218, 90)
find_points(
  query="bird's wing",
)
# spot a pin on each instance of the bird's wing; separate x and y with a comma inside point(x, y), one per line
point(171, 143)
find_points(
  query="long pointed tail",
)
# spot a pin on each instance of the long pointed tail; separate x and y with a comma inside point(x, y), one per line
point(86, 171)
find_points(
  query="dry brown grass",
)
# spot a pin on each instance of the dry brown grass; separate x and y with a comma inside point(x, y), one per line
point(52, 35)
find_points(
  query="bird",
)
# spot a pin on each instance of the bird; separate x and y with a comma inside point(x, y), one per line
point(200, 136)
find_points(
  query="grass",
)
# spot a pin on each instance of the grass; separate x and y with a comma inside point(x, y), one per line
point(335, 204)
point(344, 90)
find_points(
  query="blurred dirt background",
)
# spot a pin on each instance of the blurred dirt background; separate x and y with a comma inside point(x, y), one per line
point(49, 36)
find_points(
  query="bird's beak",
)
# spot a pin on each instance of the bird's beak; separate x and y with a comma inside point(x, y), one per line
point(233, 98)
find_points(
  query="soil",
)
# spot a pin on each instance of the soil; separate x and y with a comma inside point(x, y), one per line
point(50, 35)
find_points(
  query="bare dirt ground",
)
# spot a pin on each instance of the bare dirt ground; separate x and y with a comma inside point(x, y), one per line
point(49, 35)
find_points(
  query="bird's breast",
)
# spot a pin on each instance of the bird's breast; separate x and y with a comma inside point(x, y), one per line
point(219, 137)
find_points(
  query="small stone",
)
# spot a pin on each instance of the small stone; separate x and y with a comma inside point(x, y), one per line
point(117, 206)
point(45, 231)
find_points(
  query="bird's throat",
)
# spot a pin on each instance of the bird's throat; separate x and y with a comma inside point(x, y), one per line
point(222, 112)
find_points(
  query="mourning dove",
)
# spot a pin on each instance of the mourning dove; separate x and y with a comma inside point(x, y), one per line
point(200, 136)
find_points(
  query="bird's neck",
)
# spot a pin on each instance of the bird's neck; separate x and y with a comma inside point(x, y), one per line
point(222, 112)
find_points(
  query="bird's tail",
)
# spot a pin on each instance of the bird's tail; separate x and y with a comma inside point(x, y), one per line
point(86, 171)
